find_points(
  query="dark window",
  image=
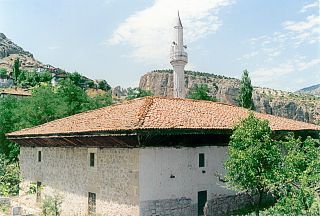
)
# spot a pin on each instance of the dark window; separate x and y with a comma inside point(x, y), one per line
point(38, 191)
point(91, 203)
point(202, 199)
point(92, 159)
point(201, 160)
point(39, 156)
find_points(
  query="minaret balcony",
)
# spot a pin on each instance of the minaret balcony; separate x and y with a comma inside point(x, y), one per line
point(179, 56)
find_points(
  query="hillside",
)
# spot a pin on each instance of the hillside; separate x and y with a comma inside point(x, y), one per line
point(314, 90)
point(298, 106)
point(7, 47)
point(34, 69)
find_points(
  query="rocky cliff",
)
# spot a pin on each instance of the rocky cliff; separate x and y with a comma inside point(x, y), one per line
point(7, 47)
point(297, 106)
point(9, 51)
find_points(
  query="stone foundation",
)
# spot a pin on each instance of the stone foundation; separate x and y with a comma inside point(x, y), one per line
point(227, 204)
point(168, 207)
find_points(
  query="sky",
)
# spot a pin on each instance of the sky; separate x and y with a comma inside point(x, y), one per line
point(277, 41)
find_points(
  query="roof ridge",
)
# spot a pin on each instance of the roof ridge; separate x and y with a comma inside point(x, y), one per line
point(143, 111)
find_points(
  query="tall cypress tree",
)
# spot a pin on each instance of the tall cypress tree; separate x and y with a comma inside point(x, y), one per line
point(245, 97)
point(16, 69)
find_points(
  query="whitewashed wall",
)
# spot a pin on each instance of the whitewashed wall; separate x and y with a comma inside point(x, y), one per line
point(158, 164)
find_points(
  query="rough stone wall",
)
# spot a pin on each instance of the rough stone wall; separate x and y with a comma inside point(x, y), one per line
point(66, 171)
point(223, 205)
point(168, 207)
point(218, 206)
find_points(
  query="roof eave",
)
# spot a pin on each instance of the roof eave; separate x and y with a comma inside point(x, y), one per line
point(148, 131)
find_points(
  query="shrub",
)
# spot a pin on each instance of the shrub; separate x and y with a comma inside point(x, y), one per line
point(51, 205)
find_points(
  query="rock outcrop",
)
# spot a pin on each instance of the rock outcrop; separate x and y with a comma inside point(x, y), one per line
point(9, 51)
point(296, 106)
point(7, 47)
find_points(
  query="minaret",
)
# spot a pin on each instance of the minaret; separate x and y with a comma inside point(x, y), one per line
point(178, 59)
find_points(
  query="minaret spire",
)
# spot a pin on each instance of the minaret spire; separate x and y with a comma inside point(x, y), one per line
point(178, 60)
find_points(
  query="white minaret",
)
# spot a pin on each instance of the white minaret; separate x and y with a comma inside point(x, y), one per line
point(178, 59)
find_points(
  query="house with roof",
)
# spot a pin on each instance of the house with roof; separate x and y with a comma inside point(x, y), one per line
point(148, 156)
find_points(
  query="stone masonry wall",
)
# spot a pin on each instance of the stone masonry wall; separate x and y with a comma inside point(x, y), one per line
point(223, 205)
point(66, 171)
point(168, 207)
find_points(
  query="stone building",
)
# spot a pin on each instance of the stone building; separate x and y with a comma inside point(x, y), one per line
point(148, 156)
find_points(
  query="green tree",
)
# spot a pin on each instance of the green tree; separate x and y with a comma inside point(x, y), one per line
point(3, 73)
point(100, 101)
point(43, 106)
point(246, 89)
point(16, 69)
point(137, 93)
point(298, 180)
point(8, 107)
point(74, 96)
point(9, 177)
point(103, 85)
point(45, 77)
point(90, 84)
point(201, 92)
point(76, 78)
point(254, 159)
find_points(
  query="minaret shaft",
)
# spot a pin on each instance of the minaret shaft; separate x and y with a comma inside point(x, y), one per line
point(178, 60)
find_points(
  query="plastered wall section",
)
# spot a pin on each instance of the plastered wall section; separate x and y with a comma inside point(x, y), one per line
point(173, 175)
point(114, 178)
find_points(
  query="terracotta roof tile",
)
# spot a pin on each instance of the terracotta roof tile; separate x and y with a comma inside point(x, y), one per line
point(158, 113)
point(15, 91)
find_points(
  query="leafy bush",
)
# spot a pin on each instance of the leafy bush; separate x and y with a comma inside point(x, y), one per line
point(9, 177)
point(51, 205)
point(32, 188)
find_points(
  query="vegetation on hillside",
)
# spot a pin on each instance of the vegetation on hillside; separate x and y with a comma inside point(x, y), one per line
point(194, 73)
point(201, 92)
point(287, 169)
point(137, 93)
point(31, 78)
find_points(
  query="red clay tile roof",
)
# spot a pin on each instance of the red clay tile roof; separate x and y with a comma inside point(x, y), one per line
point(15, 91)
point(158, 113)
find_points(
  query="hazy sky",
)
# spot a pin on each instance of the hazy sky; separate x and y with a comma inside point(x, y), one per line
point(120, 40)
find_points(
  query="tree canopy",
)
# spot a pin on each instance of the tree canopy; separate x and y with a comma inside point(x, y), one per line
point(137, 93)
point(201, 92)
point(246, 89)
point(288, 169)
point(253, 159)
point(46, 104)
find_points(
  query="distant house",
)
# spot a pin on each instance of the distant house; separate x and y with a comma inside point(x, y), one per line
point(17, 92)
point(148, 156)
point(6, 82)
